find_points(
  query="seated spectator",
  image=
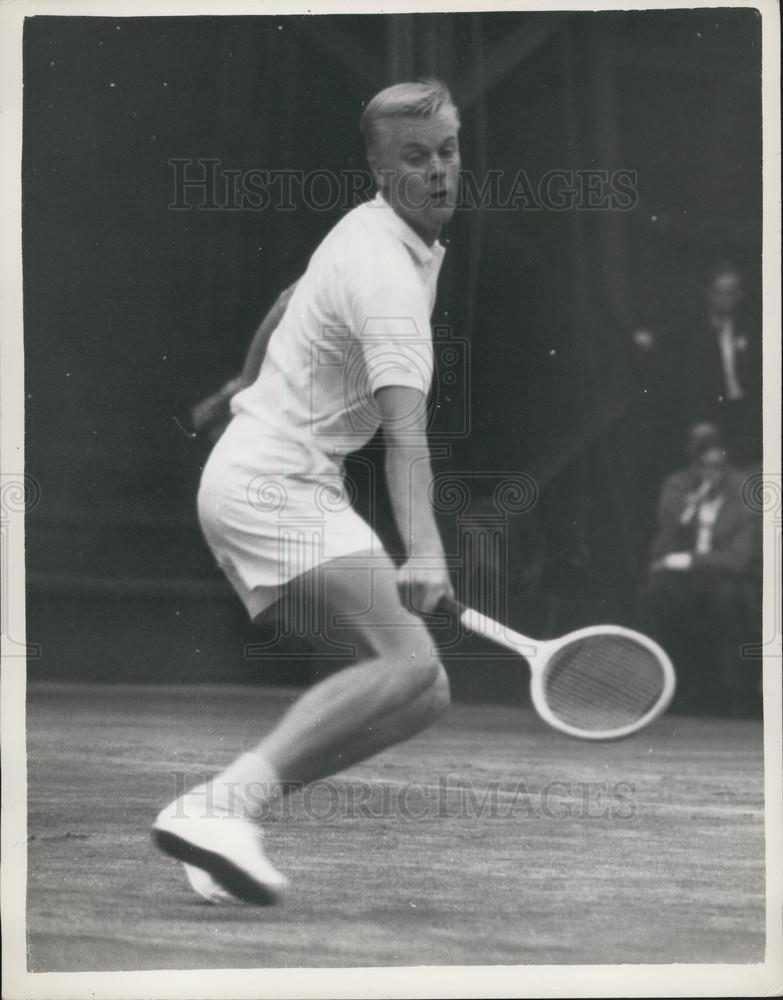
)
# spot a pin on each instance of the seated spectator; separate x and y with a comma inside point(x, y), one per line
point(702, 596)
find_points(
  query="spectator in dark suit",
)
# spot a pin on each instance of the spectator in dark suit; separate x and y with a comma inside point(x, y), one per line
point(702, 596)
point(718, 366)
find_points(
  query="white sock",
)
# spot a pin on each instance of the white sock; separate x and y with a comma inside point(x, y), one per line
point(246, 788)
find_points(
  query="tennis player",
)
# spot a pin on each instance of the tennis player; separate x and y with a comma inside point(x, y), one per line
point(352, 352)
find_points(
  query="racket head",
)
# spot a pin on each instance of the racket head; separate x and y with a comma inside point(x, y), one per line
point(603, 682)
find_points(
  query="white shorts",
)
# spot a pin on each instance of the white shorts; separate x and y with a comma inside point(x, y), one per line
point(265, 528)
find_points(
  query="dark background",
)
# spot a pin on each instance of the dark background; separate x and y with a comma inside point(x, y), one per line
point(133, 311)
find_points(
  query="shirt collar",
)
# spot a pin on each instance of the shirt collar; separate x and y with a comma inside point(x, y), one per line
point(424, 254)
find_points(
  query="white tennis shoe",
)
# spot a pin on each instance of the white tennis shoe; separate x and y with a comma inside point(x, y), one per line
point(202, 883)
point(226, 852)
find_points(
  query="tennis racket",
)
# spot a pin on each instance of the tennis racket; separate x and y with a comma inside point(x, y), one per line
point(598, 683)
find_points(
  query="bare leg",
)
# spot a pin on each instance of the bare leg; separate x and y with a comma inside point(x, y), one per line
point(366, 740)
point(395, 687)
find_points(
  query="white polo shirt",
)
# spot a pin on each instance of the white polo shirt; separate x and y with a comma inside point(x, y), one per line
point(272, 501)
point(358, 320)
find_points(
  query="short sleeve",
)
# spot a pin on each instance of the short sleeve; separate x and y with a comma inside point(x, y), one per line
point(390, 319)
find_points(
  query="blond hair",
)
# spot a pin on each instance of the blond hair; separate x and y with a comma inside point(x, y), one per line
point(421, 99)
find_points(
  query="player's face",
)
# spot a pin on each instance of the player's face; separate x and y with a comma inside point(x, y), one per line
point(416, 163)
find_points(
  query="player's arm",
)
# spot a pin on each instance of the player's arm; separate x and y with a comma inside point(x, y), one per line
point(260, 341)
point(424, 579)
point(211, 415)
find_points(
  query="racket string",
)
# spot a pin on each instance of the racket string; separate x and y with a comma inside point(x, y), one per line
point(603, 682)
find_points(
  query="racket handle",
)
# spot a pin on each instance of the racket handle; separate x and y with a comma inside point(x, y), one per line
point(451, 606)
point(487, 628)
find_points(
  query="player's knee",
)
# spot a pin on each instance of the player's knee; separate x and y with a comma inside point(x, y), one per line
point(440, 692)
point(421, 672)
point(426, 683)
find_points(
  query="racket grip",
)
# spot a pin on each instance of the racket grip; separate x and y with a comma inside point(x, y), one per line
point(451, 606)
point(487, 628)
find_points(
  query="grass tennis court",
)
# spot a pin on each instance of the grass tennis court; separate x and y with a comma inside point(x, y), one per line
point(489, 839)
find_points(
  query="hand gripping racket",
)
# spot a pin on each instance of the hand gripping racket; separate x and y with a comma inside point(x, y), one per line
point(598, 683)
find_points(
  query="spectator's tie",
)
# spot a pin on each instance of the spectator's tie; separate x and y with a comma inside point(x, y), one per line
point(728, 357)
